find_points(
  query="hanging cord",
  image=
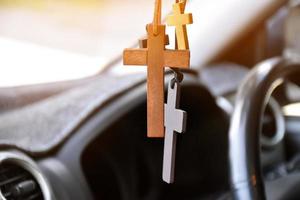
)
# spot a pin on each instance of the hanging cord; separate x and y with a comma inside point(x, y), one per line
point(182, 1)
point(157, 16)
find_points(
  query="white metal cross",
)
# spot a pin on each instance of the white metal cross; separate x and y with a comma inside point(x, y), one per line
point(175, 121)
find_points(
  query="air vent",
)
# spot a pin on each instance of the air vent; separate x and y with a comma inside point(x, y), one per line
point(16, 183)
point(21, 179)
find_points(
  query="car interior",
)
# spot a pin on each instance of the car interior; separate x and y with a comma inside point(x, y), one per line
point(73, 118)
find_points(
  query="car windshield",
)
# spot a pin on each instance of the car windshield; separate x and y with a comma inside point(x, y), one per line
point(55, 40)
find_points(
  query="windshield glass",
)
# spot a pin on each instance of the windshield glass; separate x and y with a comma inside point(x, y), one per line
point(55, 40)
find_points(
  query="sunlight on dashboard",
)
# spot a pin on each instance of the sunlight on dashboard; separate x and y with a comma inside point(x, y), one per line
point(55, 40)
point(25, 63)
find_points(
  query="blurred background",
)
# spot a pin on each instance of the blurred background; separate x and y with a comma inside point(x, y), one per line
point(54, 40)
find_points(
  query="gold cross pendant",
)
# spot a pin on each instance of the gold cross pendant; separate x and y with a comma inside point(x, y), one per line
point(180, 20)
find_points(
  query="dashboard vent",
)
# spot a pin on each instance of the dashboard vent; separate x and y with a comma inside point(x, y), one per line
point(17, 183)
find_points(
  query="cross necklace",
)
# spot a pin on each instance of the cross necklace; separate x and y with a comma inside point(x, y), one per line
point(156, 57)
point(164, 120)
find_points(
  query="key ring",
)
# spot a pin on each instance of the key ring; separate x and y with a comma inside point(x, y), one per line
point(178, 77)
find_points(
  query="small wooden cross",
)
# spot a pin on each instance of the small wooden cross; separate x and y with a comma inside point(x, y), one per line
point(180, 20)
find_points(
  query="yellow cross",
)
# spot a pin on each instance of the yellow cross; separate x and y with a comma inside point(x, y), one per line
point(180, 20)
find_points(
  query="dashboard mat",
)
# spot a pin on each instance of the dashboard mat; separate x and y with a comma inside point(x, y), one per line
point(43, 125)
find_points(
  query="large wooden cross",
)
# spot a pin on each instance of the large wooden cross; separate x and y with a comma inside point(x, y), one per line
point(156, 57)
point(180, 20)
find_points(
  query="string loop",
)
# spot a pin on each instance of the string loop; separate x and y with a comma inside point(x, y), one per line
point(157, 16)
point(182, 1)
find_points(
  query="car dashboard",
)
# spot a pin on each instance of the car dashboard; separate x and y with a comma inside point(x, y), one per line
point(86, 138)
point(106, 154)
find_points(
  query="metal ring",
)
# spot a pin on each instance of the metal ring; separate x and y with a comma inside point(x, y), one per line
point(178, 77)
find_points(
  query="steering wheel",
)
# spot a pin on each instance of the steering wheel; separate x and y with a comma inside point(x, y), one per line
point(244, 134)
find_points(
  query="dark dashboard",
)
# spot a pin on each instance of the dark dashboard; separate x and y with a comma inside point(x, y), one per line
point(107, 156)
point(86, 139)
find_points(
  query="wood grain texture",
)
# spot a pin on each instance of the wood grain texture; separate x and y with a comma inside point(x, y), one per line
point(180, 20)
point(177, 58)
point(143, 42)
point(135, 57)
point(155, 79)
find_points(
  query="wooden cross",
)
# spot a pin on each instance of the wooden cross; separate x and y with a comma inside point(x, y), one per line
point(180, 20)
point(156, 57)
